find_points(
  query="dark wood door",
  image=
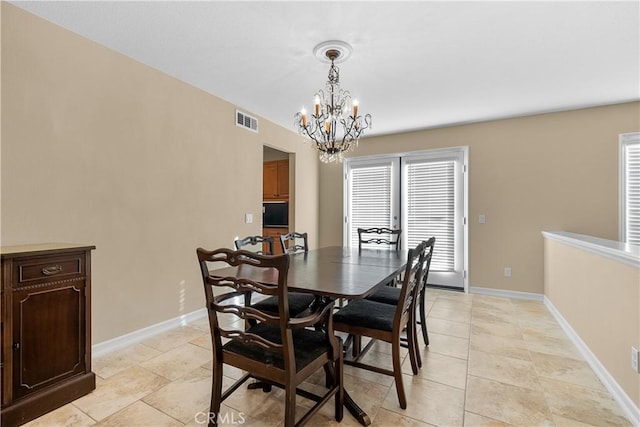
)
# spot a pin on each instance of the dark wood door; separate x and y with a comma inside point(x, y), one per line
point(53, 348)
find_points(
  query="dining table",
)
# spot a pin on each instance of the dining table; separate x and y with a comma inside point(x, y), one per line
point(335, 272)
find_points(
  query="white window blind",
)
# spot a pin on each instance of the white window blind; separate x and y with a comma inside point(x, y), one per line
point(370, 198)
point(630, 187)
point(430, 209)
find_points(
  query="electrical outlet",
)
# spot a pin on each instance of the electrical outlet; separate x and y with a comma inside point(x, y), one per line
point(634, 359)
point(507, 272)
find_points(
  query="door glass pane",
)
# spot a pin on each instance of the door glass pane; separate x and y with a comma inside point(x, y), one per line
point(430, 209)
point(371, 197)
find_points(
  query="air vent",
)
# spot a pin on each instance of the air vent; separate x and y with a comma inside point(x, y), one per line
point(246, 121)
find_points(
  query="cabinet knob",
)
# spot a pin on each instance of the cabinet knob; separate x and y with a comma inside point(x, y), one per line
point(16, 346)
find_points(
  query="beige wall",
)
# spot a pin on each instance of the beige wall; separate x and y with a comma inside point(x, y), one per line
point(607, 318)
point(555, 171)
point(100, 149)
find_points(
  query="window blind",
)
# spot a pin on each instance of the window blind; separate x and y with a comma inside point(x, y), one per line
point(370, 198)
point(430, 209)
point(632, 191)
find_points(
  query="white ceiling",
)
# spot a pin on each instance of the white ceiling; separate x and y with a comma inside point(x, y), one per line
point(414, 64)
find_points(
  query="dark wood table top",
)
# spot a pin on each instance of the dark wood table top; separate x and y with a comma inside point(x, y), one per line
point(336, 271)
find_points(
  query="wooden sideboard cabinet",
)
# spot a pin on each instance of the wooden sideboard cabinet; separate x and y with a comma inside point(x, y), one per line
point(46, 328)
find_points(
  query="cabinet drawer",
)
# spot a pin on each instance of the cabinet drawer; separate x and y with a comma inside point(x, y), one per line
point(48, 268)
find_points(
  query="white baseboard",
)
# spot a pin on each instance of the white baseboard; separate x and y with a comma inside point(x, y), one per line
point(506, 294)
point(628, 406)
point(135, 337)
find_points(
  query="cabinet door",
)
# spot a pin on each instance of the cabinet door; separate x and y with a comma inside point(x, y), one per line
point(48, 335)
point(283, 179)
point(270, 180)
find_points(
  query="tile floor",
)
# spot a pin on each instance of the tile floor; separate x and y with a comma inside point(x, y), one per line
point(492, 361)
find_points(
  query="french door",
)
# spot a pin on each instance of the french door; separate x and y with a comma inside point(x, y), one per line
point(424, 194)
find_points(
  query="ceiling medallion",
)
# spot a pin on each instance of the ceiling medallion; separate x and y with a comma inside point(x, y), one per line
point(334, 127)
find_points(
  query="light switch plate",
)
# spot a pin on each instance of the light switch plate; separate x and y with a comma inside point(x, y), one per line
point(248, 218)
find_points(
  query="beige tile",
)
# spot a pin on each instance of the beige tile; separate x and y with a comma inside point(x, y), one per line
point(384, 347)
point(117, 361)
point(119, 391)
point(178, 362)
point(460, 297)
point(566, 369)
point(450, 314)
point(583, 404)
point(504, 308)
point(475, 420)
point(428, 401)
point(201, 324)
point(546, 330)
point(140, 415)
point(386, 418)
point(183, 398)
point(567, 422)
point(203, 341)
point(490, 301)
point(375, 358)
point(368, 396)
point(504, 369)
point(441, 369)
point(256, 404)
point(173, 338)
point(447, 345)
point(551, 345)
point(509, 347)
point(493, 315)
point(493, 327)
point(65, 416)
point(507, 403)
point(447, 327)
point(453, 305)
point(530, 306)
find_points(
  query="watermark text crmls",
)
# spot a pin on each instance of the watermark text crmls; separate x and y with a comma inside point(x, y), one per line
point(232, 418)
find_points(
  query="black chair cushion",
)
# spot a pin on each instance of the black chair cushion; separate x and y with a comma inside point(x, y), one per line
point(297, 303)
point(308, 346)
point(367, 313)
point(387, 295)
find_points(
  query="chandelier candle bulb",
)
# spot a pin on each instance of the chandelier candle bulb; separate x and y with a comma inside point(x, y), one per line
point(304, 117)
point(355, 108)
point(327, 126)
point(317, 105)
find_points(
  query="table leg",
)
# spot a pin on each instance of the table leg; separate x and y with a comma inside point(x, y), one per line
point(355, 410)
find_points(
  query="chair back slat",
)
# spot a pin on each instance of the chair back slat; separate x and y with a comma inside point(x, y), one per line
point(290, 244)
point(259, 241)
point(379, 236)
point(234, 302)
point(410, 284)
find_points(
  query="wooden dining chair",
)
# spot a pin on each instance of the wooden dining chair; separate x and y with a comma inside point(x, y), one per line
point(291, 242)
point(298, 302)
point(380, 321)
point(379, 236)
point(391, 295)
point(264, 243)
point(278, 349)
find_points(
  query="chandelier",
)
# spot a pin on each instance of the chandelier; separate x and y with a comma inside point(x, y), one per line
point(334, 126)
